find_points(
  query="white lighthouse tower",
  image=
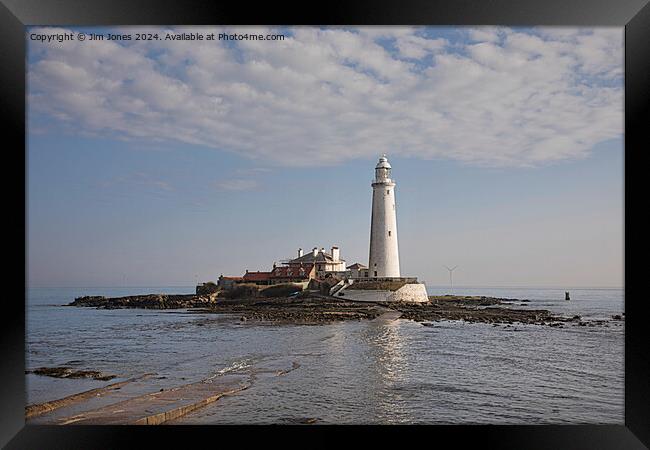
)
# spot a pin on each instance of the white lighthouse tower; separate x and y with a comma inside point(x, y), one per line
point(384, 255)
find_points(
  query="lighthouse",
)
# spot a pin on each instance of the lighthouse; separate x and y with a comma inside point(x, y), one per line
point(384, 254)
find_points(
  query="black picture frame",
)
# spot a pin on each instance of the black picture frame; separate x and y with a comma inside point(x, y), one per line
point(634, 15)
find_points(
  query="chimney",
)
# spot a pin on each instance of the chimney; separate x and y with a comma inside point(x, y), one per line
point(315, 251)
point(299, 252)
point(335, 253)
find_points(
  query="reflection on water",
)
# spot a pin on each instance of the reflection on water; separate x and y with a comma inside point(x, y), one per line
point(386, 368)
point(384, 371)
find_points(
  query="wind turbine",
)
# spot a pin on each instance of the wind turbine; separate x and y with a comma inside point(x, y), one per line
point(451, 281)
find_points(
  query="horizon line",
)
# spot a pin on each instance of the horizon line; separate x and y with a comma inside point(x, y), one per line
point(504, 286)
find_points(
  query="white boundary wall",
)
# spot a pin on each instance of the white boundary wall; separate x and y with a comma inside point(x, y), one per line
point(412, 293)
point(415, 293)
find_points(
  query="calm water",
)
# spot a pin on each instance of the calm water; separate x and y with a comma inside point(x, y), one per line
point(352, 372)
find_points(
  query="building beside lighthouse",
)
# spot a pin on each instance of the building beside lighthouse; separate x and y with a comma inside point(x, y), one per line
point(324, 263)
point(384, 251)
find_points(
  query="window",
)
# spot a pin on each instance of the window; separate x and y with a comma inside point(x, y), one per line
point(389, 232)
point(375, 273)
point(387, 191)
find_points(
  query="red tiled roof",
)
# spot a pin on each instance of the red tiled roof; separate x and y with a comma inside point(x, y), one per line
point(256, 276)
point(292, 272)
point(232, 278)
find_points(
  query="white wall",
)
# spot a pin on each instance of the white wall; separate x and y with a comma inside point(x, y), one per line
point(416, 293)
point(384, 253)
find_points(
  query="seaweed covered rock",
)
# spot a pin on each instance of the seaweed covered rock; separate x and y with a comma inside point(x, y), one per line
point(207, 288)
point(67, 372)
point(147, 301)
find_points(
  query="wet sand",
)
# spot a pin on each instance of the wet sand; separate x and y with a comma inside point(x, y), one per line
point(46, 407)
point(148, 405)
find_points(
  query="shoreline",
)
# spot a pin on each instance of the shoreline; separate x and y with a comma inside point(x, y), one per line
point(315, 309)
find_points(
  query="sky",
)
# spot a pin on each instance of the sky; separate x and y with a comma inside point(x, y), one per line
point(159, 163)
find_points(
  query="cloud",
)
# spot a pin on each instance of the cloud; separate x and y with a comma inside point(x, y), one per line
point(500, 96)
point(237, 184)
point(486, 34)
point(253, 171)
point(139, 179)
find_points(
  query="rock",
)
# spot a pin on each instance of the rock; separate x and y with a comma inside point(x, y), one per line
point(302, 420)
point(67, 372)
point(312, 309)
point(617, 317)
point(207, 288)
point(148, 301)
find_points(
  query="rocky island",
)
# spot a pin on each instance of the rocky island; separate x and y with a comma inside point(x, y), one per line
point(314, 308)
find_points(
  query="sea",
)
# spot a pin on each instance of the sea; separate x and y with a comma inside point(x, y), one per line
point(356, 372)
